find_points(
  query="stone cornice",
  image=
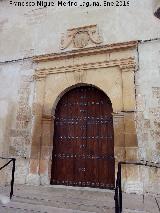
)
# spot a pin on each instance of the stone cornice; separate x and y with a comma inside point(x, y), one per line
point(118, 115)
point(126, 64)
point(85, 51)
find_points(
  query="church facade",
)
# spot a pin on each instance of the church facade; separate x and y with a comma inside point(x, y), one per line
point(80, 92)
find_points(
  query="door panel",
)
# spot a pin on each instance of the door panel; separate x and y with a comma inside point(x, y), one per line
point(83, 144)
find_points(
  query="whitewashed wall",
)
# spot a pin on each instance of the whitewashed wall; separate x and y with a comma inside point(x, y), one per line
point(17, 91)
point(148, 110)
point(29, 31)
point(25, 32)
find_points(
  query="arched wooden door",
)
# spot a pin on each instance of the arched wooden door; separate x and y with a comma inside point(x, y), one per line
point(83, 144)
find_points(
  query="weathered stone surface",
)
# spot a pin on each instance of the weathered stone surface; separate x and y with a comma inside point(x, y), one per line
point(148, 119)
point(37, 41)
point(127, 71)
point(75, 200)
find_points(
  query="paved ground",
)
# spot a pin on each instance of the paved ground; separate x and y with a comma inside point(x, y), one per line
point(58, 199)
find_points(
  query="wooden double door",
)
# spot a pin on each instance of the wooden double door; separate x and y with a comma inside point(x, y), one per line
point(83, 143)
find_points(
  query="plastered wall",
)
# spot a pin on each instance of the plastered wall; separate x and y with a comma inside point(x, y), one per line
point(27, 32)
point(148, 110)
point(17, 89)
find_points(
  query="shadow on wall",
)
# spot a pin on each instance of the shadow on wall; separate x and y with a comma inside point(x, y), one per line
point(157, 9)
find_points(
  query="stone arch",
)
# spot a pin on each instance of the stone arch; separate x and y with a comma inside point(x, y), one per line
point(109, 68)
point(112, 90)
point(67, 89)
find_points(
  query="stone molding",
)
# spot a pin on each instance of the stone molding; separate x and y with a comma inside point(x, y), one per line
point(81, 37)
point(85, 66)
point(85, 52)
point(48, 118)
point(118, 115)
point(126, 64)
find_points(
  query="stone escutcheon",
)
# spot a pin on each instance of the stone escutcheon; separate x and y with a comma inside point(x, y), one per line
point(81, 37)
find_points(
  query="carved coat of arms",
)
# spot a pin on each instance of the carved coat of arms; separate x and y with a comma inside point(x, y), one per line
point(81, 37)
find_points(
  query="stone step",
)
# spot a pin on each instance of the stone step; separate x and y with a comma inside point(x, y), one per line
point(84, 200)
point(148, 203)
point(18, 207)
point(78, 199)
point(134, 211)
point(83, 205)
point(76, 192)
point(61, 191)
point(75, 198)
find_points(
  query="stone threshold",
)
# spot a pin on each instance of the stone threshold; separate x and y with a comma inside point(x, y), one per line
point(78, 188)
